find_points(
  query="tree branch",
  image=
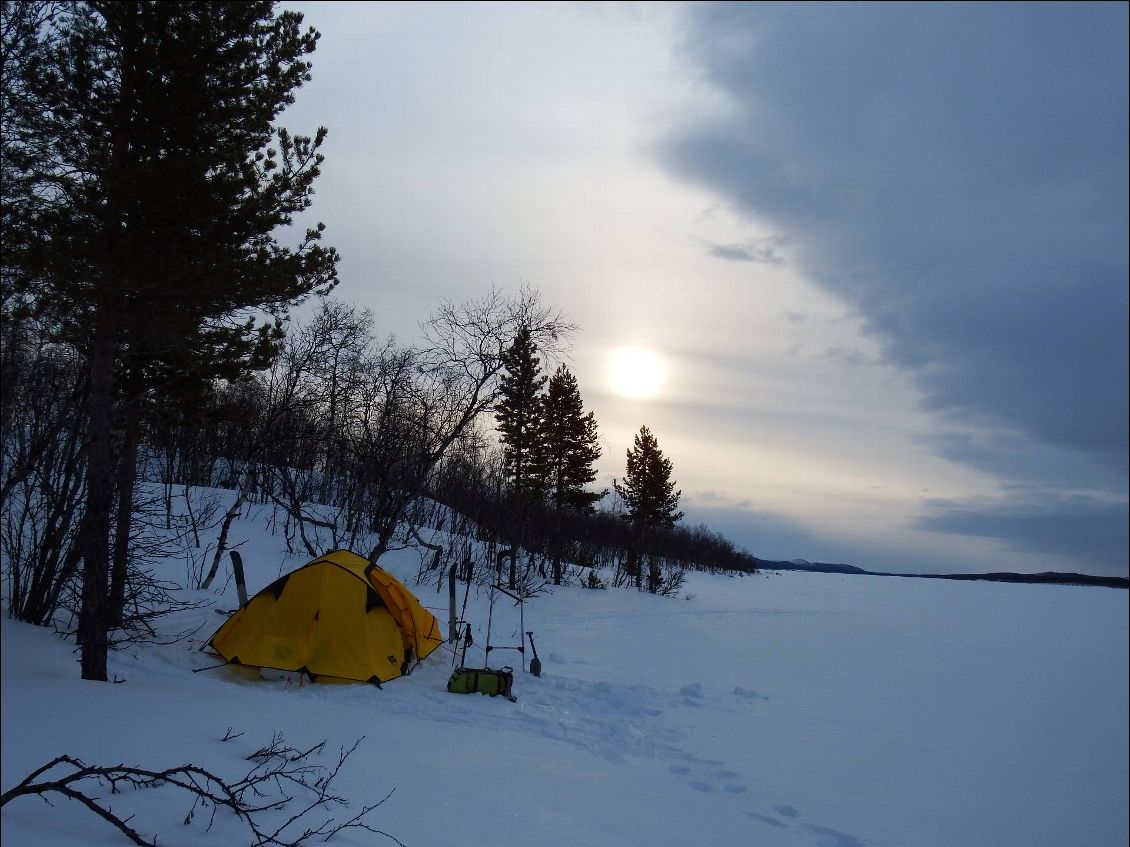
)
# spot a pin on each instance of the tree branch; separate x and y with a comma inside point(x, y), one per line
point(280, 773)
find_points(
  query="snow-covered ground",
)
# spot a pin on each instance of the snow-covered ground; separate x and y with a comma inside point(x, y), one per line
point(778, 709)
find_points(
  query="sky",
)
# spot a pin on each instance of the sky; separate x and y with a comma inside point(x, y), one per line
point(876, 254)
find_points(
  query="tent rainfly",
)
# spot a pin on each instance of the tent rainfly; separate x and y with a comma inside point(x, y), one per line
point(335, 618)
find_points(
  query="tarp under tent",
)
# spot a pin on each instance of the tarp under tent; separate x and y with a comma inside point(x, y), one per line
point(335, 618)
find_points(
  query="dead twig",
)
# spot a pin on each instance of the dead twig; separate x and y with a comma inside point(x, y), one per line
point(283, 778)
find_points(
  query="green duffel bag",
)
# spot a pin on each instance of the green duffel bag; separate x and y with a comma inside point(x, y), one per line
point(482, 680)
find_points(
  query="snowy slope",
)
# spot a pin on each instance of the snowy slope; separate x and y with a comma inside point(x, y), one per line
point(779, 709)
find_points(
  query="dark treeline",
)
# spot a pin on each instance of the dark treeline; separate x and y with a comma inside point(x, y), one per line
point(473, 490)
point(352, 442)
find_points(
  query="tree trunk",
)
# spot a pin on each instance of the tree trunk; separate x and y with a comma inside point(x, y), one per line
point(557, 545)
point(99, 498)
point(100, 401)
point(654, 574)
point(468, 566)
point(381, 548)
point(240, 579)
point(635, 558)
point(127, 475)
point(222, 544)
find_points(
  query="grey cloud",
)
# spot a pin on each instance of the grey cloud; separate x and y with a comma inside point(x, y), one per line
point(845, 356)
point(711, 498)
point(1090, 535)
point(761, 251)
point(1025, 465)
point(730, 252)
point(959, 173)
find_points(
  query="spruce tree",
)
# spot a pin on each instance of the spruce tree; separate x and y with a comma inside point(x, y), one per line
point(649, 494)
point(570, 448)
point(519, 417)
point(569, 441)
point(147, 128)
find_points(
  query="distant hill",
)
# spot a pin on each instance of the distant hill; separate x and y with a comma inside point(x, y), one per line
point(1048, 578)
point(803, 565)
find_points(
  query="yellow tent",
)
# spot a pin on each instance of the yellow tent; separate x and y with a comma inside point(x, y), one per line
point(336, 617)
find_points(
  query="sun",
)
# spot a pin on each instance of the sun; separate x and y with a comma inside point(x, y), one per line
point(635, 372)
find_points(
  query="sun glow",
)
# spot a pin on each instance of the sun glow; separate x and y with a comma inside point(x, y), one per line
point(635, 372)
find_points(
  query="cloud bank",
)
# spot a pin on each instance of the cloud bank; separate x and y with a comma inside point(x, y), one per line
point(958, 173)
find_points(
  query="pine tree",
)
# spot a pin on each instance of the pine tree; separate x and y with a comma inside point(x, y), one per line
point(570, 448)
point(649, 494)
point(569, 441)
point(145, 128)
point(519, 417)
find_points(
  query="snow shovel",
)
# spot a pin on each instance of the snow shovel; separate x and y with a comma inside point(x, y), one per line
point(535, 663)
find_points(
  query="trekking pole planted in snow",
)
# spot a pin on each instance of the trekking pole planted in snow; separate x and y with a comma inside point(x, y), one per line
point(490, 620)
point(521, 628)
point(535, 662)
point(452, 629)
